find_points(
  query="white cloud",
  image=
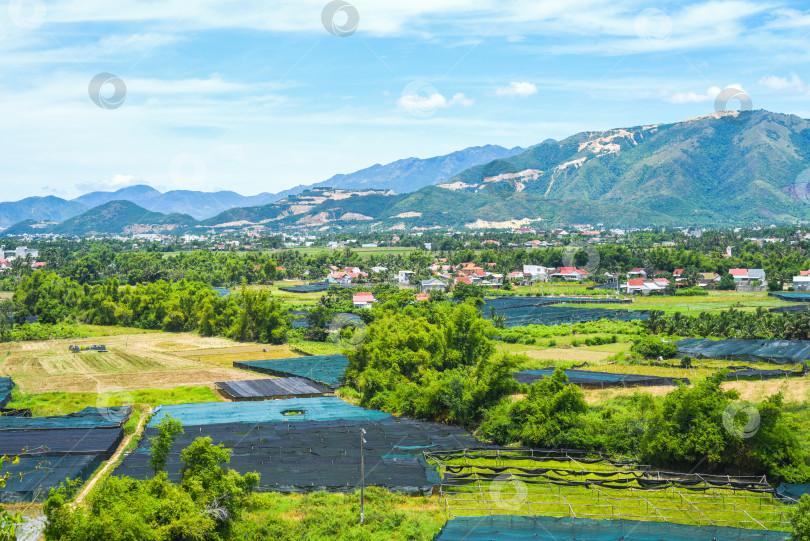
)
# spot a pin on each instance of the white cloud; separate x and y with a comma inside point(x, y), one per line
point(109, 185)
point(430, 102)
point(516, 89)
point(792, 84)
point(692, 97)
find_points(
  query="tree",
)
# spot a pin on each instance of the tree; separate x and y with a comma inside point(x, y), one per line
point(8, 522)
point(800, 520)
point(7, 311)
point(169, 430)
point(726, 283)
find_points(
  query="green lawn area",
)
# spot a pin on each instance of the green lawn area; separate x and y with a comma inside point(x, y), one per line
point(61, 403)
point(388, 517)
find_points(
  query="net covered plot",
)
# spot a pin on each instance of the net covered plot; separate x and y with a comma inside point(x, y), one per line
point(513, 482)
point(309, 456)
point(549, 314)
point(792, 492)
point(41, 474)
point(254, 389)
point(502, 303)
point(86, 418)
point(328, 408)
point(573, 529)
point(61, 441)
point(752, 373)
point(327, 370)
point(314, 287)
point(738, 349)
point(792, 296)
point(6, 385)
point(590, 379)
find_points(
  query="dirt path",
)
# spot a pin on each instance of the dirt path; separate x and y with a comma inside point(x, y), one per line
point(90, 484)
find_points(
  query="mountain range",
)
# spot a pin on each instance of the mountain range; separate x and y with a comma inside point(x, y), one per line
point(403, 176)
point(737, 168)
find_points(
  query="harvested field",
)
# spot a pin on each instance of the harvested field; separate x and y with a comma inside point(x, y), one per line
point(137, 361)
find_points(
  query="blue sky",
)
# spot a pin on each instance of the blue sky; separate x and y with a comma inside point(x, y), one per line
point(257, 96)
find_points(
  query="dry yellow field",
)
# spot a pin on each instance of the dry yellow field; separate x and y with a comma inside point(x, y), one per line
point(138, 361)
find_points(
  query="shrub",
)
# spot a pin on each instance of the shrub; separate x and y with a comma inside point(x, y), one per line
point(652, 348)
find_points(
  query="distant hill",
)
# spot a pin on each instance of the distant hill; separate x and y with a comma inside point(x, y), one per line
point(39, 208)
point(402, 176)
point(114, 217)
point(195, 203)
point(412, 174)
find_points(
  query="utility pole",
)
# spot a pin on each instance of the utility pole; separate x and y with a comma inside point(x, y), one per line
point(362, 474)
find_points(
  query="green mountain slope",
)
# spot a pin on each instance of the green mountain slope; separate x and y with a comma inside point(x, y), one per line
point(731, 169)
point(115, 217)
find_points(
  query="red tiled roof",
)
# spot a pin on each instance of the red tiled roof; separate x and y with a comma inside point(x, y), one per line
point(738, 272)
point(636, 270)
point(363, 297)
point(422, 296)
point(636, 282)
point(802, 273)
point(464, 279)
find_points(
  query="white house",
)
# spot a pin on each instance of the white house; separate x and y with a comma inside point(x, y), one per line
point(801, 283)
point(404, 276)
point(537, 273)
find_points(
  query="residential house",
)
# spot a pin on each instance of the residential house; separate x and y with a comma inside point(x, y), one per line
point(434, 284)
point(568, 274)
point(536, 273)
point(637, 273)
point(645, 286)
point(404, 276)
point(801, 283)
point(377, 270)
point(746, 277)
point(363, 300)
point(708, 278)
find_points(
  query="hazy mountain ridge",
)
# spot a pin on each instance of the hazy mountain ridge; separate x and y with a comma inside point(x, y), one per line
point(402, 176)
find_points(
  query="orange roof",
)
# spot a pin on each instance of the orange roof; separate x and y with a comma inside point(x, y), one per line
point(738, 272)
point(423, 296)
point(363, 297)
point(636, 282)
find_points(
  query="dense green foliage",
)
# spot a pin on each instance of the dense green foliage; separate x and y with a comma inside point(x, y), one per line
point(733, 323)
point(651, 347)
point(693, 429)
point(432, 361)
point(169, 306)
point(800, 519)
point(203, 507)
point(8, 521)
